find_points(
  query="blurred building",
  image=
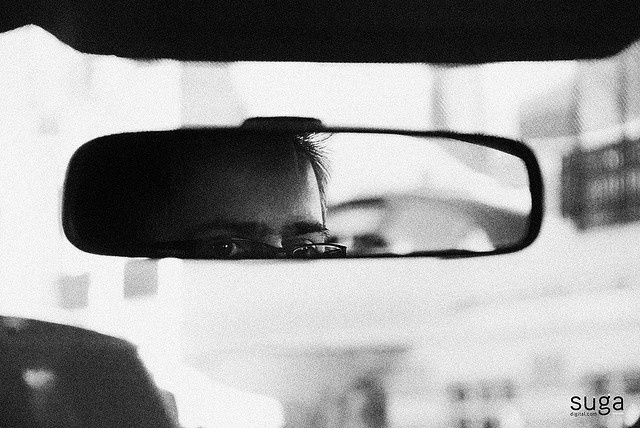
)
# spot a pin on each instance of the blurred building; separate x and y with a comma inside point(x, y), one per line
point(593, 124)
point(564, 322)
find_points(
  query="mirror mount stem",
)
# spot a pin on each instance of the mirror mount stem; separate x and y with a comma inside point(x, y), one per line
point(283, 123)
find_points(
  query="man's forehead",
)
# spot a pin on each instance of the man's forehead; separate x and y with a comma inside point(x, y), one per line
point(259, 192)
point(254, 147)
point(294, 227)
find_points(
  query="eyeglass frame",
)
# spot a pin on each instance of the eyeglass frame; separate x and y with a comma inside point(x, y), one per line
point(268, 251)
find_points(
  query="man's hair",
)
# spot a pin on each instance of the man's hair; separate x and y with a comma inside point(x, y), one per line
point(313, 147)
point(137, 181)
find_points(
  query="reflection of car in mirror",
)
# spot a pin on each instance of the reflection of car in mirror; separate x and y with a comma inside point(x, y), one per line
point(281, 193)
point(407, 223)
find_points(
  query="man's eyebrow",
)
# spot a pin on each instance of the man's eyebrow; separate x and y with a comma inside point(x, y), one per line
point(252, 230)
point(304, 227)
point(248, 229)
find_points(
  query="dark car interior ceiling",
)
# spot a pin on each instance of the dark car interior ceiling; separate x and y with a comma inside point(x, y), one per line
point(440, 31)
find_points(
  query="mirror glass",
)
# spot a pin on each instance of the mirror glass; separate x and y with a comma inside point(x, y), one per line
point(238, 193)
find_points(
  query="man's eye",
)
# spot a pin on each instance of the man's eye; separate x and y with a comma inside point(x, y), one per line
point(318, 251)
point(306, 252)
point(224, 250)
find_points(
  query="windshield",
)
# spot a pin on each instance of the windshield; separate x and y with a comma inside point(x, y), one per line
point(504, 341)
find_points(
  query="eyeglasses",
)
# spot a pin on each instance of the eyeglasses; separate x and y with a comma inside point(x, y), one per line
point(238, 248)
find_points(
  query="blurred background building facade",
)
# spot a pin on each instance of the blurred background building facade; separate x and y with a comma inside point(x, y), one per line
point(498, 342)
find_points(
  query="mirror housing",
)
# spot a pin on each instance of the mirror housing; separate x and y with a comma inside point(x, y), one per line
point(185, 193)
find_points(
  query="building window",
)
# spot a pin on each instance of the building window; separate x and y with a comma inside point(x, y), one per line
point(73, 291)
point(631, 382)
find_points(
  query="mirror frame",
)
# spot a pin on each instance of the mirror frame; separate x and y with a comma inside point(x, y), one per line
point(302, 125)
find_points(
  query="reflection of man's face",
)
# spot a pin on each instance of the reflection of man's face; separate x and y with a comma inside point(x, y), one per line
point(268, 195)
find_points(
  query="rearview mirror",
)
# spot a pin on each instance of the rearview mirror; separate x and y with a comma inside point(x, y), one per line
point(301, 192)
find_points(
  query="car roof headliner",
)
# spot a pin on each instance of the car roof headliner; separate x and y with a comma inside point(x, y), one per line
point(437, 31)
